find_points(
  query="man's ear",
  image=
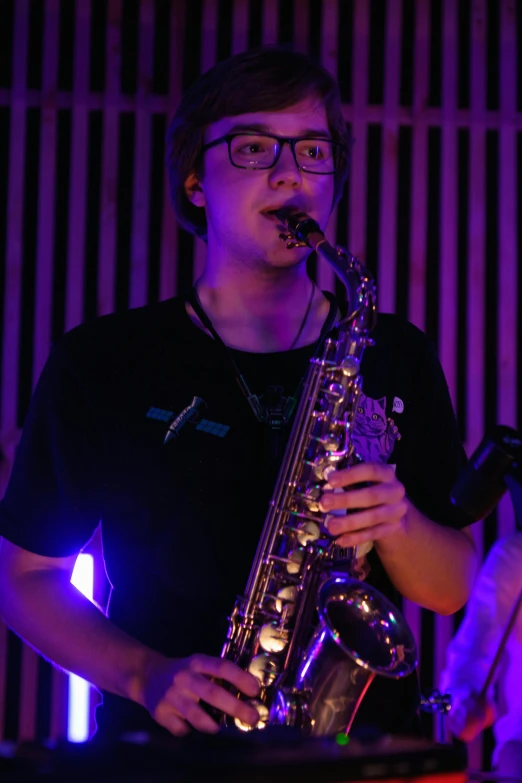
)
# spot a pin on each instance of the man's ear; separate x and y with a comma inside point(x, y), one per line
point(194, 190)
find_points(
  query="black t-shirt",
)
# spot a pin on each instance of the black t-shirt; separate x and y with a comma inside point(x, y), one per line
point(181, 520)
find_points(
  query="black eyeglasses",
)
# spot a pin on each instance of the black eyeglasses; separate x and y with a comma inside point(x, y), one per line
point(262, 151)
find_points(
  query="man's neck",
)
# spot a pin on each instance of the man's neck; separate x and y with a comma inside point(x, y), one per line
point(262, 314)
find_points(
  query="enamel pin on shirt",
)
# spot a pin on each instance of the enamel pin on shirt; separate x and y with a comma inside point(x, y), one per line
point(190, 413)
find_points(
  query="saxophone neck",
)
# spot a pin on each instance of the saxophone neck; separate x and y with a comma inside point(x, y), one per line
point(302, 230)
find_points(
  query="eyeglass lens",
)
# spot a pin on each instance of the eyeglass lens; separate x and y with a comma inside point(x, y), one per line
point(255, 151)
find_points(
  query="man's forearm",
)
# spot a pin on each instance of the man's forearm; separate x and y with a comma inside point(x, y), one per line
point(49, 613)
point(430, 564)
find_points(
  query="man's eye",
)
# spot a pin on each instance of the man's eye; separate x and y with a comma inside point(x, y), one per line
point(252, 148)
point(314, 152)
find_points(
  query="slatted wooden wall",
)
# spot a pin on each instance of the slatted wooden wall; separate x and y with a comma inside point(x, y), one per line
point(432, 95)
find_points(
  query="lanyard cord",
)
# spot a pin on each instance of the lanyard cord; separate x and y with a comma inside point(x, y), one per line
point(193, 299)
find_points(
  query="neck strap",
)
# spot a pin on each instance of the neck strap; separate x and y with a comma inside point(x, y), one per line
point(193, 299)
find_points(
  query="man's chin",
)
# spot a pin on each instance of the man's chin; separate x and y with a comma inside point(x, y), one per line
point(284, 257)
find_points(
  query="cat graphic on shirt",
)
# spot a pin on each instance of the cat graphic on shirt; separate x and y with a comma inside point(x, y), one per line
point(374, 435)
point(374, 438)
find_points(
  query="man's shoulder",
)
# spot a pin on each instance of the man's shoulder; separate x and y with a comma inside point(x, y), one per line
point(399, 347)
point(151, 316)
point(393, 329)
point(131, 330)
point(131, 341)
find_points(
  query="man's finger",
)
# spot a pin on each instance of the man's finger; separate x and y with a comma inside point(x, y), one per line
point(368, 519)
point(363, 471)
point(225, 701)
point(194, 714)
point(376, 495)
point(225, 670)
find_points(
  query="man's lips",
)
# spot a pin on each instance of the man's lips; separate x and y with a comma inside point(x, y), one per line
point(272, 217)
point(269, 213)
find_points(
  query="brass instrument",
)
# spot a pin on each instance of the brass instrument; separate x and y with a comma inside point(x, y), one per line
point(314, 636)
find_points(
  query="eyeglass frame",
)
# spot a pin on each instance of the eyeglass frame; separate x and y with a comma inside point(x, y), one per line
point(337, 149)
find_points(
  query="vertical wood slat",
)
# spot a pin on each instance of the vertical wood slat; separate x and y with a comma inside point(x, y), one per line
point(59, 705)
point(418, 222)
point(209, 35)
point(301, 26)
point(78, 168)
point(476, 266)
point(46, 191)
point(448, 226)
point(14, 239)
point(476, 240)
point(419, 168)
point(358, 185)
point(240, 17)
point(138, 283)
point(74, 286)
point(13, 276)
point(169, 227)
point(208, 59)
point(329, 25)
point(109, 163)
point(507, 347)
point(387, 254)
point(448, 261)
point(43, 295)
point(270, 23)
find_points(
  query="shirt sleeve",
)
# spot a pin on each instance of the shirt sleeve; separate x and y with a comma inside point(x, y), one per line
point(431, 451)
point(52, 505)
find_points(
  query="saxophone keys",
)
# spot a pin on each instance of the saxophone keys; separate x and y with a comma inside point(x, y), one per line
point(318, 466)
point(272, 638)
point(263, 713)
point(308, 532)
point(337, 392)
point(332, 441)
point(265, 668)
point(286, 600)
point(310, 497)
point(350, 366)
point(295, 561)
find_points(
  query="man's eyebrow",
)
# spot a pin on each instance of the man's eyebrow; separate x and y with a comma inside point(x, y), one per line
point(262, 128)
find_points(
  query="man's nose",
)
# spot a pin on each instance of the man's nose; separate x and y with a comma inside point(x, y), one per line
point(286, 168)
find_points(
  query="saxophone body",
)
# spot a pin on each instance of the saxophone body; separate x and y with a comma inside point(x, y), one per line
point(313, 635)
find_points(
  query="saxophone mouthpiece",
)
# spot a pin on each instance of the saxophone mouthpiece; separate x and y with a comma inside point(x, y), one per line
point(299, 226)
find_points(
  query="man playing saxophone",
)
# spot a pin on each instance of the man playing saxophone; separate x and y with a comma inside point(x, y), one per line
point(181, 519)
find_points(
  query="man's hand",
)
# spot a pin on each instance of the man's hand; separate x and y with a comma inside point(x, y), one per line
point(471, 716)
point(378, 509)
point(175, 687)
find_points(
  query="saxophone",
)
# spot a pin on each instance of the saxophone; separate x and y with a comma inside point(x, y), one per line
point(312, 634)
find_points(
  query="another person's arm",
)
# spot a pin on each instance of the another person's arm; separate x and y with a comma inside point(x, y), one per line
point(473, 649)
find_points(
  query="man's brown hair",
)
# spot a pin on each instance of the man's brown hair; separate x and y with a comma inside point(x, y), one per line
point(260, 80)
